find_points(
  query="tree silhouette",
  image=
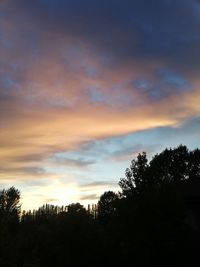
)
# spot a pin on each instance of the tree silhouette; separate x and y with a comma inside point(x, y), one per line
point(155, 207)
point(170, 166)
point(9, 201)
point(9, 225)
point(194, 164)
point(76, 208)
point(10, 207)
point(107, 206)
point(135, 176)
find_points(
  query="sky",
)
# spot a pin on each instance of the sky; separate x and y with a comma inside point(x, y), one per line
point(86, 85)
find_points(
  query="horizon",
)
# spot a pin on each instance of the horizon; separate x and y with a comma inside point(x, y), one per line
point(86, 86)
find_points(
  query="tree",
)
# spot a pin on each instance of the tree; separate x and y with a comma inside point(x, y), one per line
point(171, 166)
point(9, 222)
point(107, 206)
point(135, 176)
point(194, 164)
point(9, 203)
point(75, 209)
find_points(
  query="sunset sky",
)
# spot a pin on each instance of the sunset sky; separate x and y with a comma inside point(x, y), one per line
point(85, 85)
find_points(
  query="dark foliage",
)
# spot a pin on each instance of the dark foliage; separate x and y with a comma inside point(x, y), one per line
point(107, 206)
point(154, 221)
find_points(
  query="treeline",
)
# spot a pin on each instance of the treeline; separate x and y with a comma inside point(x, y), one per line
point(153, 221)
point(49, 210)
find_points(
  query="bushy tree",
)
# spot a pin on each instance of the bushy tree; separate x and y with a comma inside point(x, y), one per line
point(135, 176)
point(107, 206)
point(168, 167)
point(76, 208)
point(9, 203)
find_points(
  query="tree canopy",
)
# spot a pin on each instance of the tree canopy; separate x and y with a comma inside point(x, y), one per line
point(107, 206)
point(169, 166)
point(9, 201)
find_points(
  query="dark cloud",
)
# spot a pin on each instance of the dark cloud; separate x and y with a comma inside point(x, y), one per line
point(140, 27)
point(162, 84)
point(122, 30)
point(117, 33)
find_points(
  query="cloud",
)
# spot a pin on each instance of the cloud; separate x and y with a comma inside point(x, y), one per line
point(23, 170)
point(89, 193)
point(73, 73)
point(96, 185)
point(35, 134)
point(90, 197)
point(127, 153)
point(123, 31)
point(50, 200)
point(32, 157)
point(68, 162)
